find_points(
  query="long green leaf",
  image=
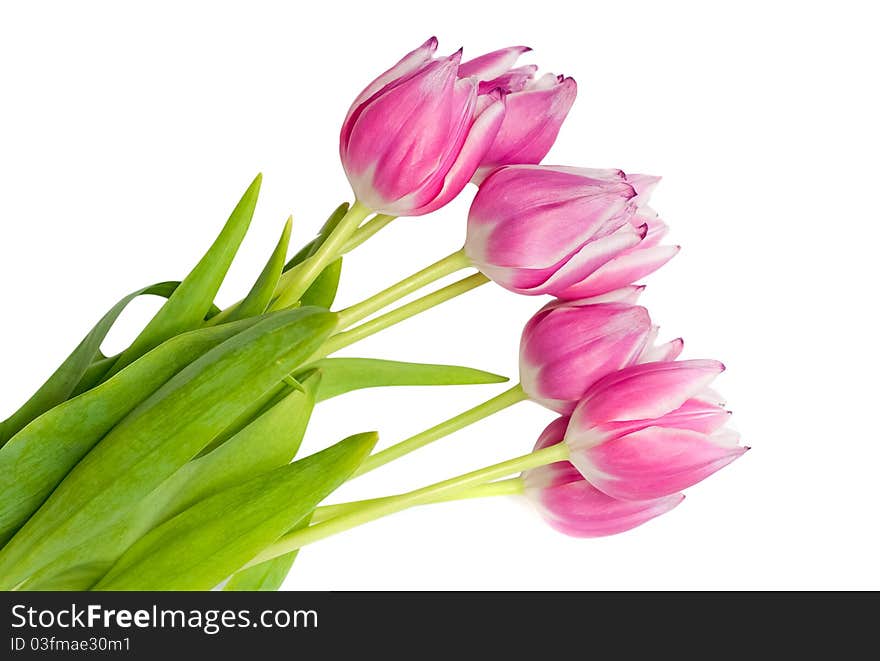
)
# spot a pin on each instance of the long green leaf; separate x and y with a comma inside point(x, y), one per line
point(190, 302)
point(162, 434)
point(342, 375)
point(322, 292)
point(64, 380)
point(203, 545)
point(261, 293)
point(36, 459)
point(268, 442)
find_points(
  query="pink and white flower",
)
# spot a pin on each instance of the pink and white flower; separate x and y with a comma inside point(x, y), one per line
point(651, 430)
point(568, 345)
point(416, 135)
point(575, 507)
point(537, 229)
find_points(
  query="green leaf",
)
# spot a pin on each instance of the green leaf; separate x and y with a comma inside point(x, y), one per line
point(267, 576)
point(190, 302)
point(270, 441)
point(162, 434)
point(36, 459)
point(205, 544)
point(261, 293)
point(312, 246)
point(64, 380)
point(342, 375)
point(322, 292)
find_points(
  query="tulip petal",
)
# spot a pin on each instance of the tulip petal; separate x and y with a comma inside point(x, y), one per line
point(652, 462)
point(579, 509)
point(624, 269)
point(480, 135)
point(592, 256)
point(644, 391)
point(492, 65)
point(644, 185)
point(664, 352)
point(408, 65)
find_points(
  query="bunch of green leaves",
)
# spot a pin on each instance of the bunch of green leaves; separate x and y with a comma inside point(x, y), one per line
point(172, 464)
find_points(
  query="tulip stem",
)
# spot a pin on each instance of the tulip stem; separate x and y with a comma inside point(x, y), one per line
point(366, 231)
point(345, 338)
point(439, 269)
point(386, 506)
point(498, 403)
point(296, 281)
point(510, 487)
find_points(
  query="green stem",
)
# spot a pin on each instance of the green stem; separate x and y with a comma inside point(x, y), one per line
point(366, 231)
point(300, 538)
point(499, 403)
point(439, 269)
point(510, 487)
point(297, 280)
point(341, 340)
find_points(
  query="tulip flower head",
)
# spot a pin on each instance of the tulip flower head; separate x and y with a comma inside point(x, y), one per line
point(415, 136)
point(569, 345)
point(575, 507)
point(651, 430)
point(538, 229)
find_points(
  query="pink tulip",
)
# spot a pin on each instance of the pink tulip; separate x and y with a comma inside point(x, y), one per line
point(575, 507)
point(415, 136)
point(568, 345)
point(545, 230)
point(651, 430)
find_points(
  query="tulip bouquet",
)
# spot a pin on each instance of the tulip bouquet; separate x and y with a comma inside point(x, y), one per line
point(172, 465)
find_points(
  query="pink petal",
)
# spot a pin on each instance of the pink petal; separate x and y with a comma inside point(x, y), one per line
point(694, 415)
point(491, 65)
point(629, 294)
point(624, 269)
point(644, 391)
point(644, 185)
point(480, 135)
point(590, 257)
point(581, 510)
point(663, 352)
point(652, 462)
point(408, 65)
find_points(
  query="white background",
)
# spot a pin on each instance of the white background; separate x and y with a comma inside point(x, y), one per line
point(128, 131)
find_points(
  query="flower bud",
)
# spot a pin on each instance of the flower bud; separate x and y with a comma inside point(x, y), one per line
point(651, 430)
point(567, 346)
point(544, 230)
point(415, 136)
